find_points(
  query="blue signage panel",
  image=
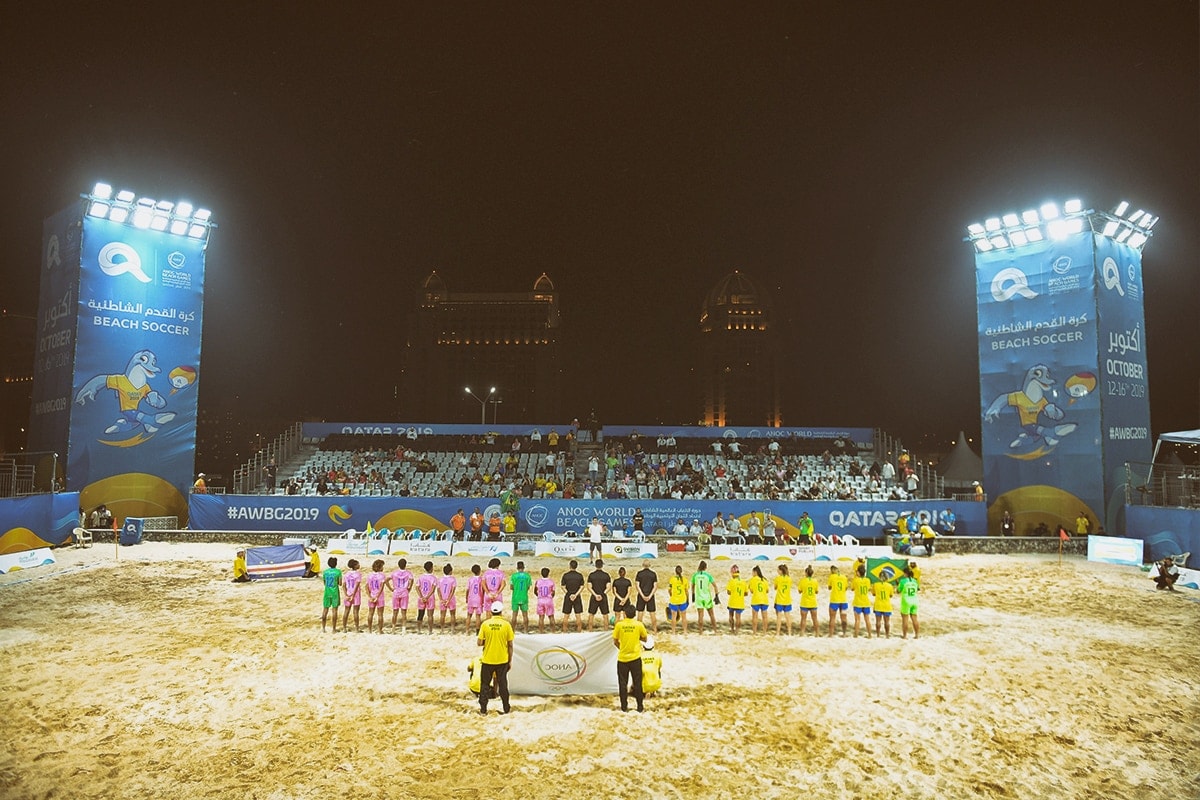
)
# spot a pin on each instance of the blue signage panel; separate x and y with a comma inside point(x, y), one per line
point(1125, 435)
point(1038, 378)
point(54, 359)
point(133, 428)
point(339, 513)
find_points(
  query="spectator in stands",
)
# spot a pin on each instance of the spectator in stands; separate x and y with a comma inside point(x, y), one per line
point(199, 487)
point(735, 449)
point(1007, 526)
point(717, 447)
point(270, 471)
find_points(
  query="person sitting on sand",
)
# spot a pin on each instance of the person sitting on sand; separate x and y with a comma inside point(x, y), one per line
point(240, 575)
point(1168, 573)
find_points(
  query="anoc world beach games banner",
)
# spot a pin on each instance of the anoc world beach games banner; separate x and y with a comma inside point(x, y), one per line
point(1062, 375)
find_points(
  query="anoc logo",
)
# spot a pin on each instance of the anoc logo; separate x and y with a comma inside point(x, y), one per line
point(559, 666)
point(1061, 265)
point(1009, 283)
point(536, 516)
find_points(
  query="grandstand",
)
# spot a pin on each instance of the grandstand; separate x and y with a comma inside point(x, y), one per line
point(481, 463)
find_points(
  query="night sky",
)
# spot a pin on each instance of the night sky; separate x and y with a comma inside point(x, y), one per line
point(834, 153)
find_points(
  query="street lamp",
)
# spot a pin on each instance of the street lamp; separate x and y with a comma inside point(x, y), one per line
point(482, 402)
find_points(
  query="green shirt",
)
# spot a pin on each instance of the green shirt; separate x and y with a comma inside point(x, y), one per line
point(702, 587)
point(520, 582)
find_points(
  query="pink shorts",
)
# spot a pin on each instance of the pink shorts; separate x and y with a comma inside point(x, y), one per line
point(475, 605)
point(450, 604)
point(353, 599)
point(376, 603)
point(426, 603)
point(545, 606)
point(400, 600)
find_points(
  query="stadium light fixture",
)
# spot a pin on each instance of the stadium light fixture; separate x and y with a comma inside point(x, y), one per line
point(166, 216)
point(1057, 222)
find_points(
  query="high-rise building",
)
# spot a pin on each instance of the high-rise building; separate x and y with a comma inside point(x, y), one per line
point(480, 340)
point(17, 348)
point(740, 358)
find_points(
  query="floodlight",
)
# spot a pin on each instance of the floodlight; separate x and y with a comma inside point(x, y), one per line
point(143, 213)
point(1049, 211)
point(1011, 220)
point(1121, 208)
point(1137, 240)
point(983, 244)
point(196, 231)
point(1073, 206)
point(102, 191)
point(1018, 238)
point(1058, 229)
point(999, 241)
point(202, 214)
point(1075, 225)
point(119, 213)
point(1034, 234)
point(98, 209)
point(992, 224)
point(179, 227)
point(1110, 227)
point(164, 205)
point(1135, 215)
point(1150, 224)
point(1124, 234)
point(125, 196)
point(1029, 217)
point(184, 208)
point(158, 222)
point(975, 228)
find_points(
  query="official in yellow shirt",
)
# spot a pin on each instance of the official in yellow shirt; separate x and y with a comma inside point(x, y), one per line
point(628, 635)
point(496, 639)
point(240, 575)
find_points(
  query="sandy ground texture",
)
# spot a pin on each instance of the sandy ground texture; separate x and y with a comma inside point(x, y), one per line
point(154, 676)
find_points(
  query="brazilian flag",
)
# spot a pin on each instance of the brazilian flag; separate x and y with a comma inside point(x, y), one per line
point(886, 569)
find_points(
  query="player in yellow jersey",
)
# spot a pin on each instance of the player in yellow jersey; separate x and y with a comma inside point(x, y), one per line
point(837, 599)
point(783, 599)
point(883, 592)
point(736, 592)
point(808, 588)
point(861, 586)
point(760, 598)
point(677, 599)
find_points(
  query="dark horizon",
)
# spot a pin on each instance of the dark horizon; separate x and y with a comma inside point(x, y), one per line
point(636, 156)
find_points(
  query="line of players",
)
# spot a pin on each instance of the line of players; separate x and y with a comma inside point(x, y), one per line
point(437, 596)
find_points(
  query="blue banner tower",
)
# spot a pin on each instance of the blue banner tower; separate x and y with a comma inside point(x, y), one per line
point(1062, 362)
point(118, 352)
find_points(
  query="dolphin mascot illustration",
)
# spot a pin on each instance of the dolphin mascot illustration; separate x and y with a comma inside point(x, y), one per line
point(1032, 402)
point(131, 388)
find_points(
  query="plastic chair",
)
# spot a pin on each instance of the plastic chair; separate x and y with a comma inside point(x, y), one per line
point(83, 537)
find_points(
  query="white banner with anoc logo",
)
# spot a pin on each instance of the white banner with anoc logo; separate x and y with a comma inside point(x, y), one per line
point(563, 664)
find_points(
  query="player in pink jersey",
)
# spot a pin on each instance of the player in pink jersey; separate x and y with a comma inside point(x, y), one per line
point(543, 590)
point(474, 599)
point(447, 587)
point(352, 593)
point(376, 581)
point(399, 583)
point(493, 583)
point(426, 595)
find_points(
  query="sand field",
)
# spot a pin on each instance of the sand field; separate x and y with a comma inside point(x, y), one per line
point(153, 676)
